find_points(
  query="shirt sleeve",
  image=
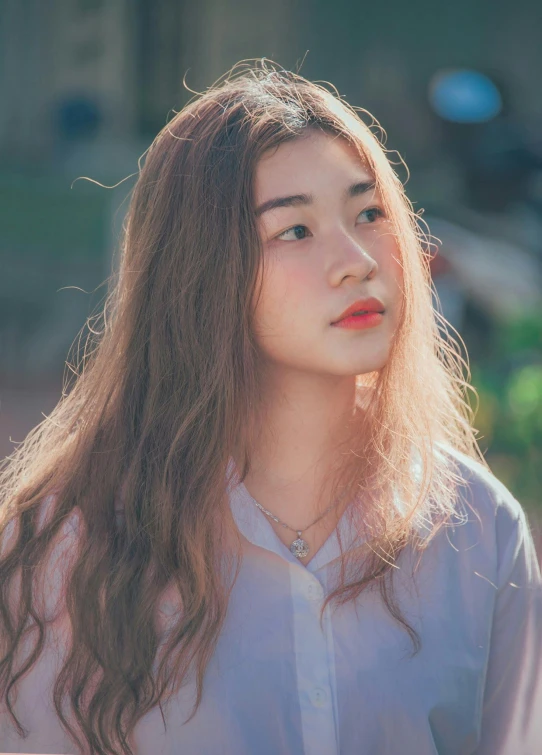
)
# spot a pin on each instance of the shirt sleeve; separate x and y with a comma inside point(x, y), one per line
point(512, 704)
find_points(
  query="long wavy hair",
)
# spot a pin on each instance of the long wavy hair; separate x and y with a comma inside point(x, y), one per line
point(167, 392)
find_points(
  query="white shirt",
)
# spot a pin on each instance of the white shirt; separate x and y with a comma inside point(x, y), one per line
point(279, 684)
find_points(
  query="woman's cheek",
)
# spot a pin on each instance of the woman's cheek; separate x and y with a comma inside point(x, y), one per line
point(273, 306)
point(290, 289)
point(285, 285)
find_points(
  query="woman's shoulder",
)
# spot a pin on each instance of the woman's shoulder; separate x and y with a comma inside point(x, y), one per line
point(68, 534)
point(482, 488)
point(60, 555)
point(489, 511)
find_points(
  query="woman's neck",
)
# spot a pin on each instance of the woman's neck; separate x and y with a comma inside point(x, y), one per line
point(307, 427)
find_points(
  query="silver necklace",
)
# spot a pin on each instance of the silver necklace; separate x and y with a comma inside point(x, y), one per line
point(299, 547)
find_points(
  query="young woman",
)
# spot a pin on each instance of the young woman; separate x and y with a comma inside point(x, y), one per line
point(259, 521)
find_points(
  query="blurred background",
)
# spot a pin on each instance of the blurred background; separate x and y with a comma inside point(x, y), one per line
point(85, 85)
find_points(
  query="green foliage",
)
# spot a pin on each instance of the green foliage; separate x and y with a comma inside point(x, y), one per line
point(509, 416)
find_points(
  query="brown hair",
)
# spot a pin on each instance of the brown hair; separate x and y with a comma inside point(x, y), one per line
point(168, 389)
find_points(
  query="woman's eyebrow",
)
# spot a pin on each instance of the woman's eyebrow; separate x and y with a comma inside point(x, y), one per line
point(355, 190)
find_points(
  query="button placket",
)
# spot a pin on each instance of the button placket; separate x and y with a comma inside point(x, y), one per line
point(319, 697)
point(313, 665)
point(314, 591)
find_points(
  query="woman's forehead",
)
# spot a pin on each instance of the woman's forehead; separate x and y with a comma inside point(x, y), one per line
point(298, 164)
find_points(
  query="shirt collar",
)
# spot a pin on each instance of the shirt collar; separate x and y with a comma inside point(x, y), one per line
point(254, 525)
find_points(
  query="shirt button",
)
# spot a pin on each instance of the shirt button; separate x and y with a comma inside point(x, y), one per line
point(315, 591)
point(319, 697)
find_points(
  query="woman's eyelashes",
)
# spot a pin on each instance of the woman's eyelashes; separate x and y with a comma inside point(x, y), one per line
point(299, 232)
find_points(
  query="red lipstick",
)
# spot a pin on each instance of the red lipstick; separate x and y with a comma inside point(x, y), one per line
point(363, 313)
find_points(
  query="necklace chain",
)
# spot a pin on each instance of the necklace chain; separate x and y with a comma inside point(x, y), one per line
point(299, 547)
point(278, 521)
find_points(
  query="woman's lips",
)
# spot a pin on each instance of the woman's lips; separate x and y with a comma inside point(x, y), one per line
point(360, 322)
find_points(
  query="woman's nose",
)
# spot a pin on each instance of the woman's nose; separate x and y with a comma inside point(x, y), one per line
point(353, 260)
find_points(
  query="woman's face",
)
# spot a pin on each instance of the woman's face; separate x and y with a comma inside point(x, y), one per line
point(328, 246)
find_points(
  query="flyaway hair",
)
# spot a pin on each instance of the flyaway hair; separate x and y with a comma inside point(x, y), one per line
point(134, 461)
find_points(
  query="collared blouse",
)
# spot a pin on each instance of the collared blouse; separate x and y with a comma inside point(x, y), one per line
point(280, 683)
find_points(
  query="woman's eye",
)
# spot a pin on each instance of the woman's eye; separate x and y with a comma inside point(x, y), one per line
point(296, 232)
point(373, 212)
point(299, 232)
